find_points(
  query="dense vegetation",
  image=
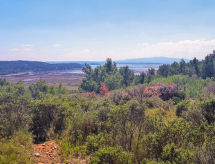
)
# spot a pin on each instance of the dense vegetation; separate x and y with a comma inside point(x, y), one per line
point(112, 77)
point(9, 67)
point(204, 68)
point(120, 78)
point(164, 125)
point(161, 120)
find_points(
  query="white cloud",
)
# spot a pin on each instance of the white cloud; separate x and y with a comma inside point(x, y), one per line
point(187, 49)
point(24, 48)
point(85, 51)
point(27, 49)
point(14, 49)
point(181, 49)
point(27, 45)
point(57, 45)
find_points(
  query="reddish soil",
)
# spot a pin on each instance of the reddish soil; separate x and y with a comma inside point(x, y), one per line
point(47, 153)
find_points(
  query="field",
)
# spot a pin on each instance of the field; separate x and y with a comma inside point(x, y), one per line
point(69, 79)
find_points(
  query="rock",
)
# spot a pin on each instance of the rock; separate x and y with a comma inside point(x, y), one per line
point(36, 154)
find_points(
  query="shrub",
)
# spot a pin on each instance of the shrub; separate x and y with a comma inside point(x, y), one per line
point(210, 88)
point(46, 114)
point(113, 155)
point(94, 142)
point(194, 115)
point(163, 90)
point(173, 154)
point(14, 114)
point(103, 89)
point(208, 110)
point(182, 106)
point(16, 150)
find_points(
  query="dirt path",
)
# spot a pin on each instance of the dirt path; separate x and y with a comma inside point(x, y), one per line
point(47, 153)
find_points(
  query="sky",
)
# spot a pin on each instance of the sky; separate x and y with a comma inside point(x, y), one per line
point(93, 30)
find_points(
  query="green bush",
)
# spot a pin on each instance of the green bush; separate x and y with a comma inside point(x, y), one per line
point(176, 155)
point(182, 106)
point(46, 114)
point(16, 150)
point(94, 142)
point(14, 114)
point(113, 155)
point(208, 110)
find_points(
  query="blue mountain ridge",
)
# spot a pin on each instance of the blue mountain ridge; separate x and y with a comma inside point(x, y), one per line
point(152, 60)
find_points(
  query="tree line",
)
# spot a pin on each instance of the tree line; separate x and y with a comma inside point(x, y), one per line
point(115, 78)
point(112, 77)
point(204, 69)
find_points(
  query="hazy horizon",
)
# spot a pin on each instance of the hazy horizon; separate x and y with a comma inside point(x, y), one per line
point(83, 30)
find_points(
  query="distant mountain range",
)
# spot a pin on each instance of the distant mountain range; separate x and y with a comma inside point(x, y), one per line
point(153, 60)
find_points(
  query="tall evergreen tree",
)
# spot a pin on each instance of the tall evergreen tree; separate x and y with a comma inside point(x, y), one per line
point(208, 67)
point(196, 66)
point(182, 67)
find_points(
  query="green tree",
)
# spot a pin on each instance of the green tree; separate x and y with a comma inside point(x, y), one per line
point(127, 76)
point(182, 66)
point(163, 70)
point(38, 89)
point(140, 79)
point(196, 66)
point(208, 67)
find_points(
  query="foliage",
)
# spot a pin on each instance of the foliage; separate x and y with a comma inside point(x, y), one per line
point(103, 89)
point(208, 110)
point(204, 69)
point(14, 113)
point(16, 150)
point(114, 155)
point(175, 124)
point(46, 114)
point(191, 86)
point(182, 106)
point(112, 77)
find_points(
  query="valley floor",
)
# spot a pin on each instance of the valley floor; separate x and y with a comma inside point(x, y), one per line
point(69, 79)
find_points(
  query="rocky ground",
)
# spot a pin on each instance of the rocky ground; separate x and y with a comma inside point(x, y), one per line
point(49, 153)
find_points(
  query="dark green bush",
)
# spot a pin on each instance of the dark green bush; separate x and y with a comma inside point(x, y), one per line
point(208, 110)
point(111, 155)
point(46, 114)
point(172, 154)
point(182, 106)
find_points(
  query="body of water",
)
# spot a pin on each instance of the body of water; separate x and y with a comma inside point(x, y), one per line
point(136, 68)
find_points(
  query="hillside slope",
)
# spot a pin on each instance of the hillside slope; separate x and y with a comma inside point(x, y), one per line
point(10, 67)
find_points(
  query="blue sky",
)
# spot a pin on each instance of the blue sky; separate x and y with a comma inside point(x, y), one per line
point(65, 30)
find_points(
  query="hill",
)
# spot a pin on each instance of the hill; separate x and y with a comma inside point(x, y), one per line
point(10, 67)
point(153, 60)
